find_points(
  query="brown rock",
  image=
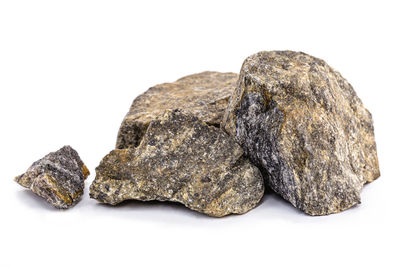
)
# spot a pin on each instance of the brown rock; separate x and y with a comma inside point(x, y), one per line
point(205, 95)
point(181, 159)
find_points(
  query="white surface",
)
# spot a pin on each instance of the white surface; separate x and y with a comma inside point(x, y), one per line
point(69, 71)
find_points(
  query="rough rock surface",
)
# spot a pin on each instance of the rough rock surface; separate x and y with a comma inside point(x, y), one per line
point(58, 177)
point(181, 159)
point(205, 95)
point(303, 125)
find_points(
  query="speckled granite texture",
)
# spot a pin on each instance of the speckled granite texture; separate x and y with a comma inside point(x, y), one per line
point(303, 125)
point(181, 159)
point(205, 95)
point(59, 178)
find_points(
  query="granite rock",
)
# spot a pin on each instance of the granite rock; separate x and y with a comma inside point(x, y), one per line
point(59, 177)
point(205, 95)
point(303, 125)
point(182, 159)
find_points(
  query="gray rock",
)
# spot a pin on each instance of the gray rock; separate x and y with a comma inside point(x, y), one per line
point(181, 159)
point(59, 177)
point(303, 125)
point(205, 95)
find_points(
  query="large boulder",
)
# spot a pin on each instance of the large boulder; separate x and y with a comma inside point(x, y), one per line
point(303, 125)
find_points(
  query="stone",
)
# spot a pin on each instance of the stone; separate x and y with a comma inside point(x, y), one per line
point(181, 159)
point(303, 125)
point(205, 95)
point(59, 177)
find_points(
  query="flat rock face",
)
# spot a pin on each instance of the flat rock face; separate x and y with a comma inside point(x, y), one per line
point(59, 177)
point(205, 95)
point(181, 159)
point(302, 123)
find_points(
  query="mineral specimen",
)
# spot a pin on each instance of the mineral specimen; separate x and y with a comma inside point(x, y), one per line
point(204, 94)
point(182, 159)
point(303, 125)
point(58, 177)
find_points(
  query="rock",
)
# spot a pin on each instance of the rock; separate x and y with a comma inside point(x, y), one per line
point(204, 94)
point(59, 177)
point(303, 125)
point(181, 159)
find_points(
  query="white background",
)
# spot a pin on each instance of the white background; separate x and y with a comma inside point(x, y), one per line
point(69, 71)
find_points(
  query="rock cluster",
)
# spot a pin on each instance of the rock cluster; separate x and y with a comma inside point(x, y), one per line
point(303, 125)
point(59, 177)
point(211, 140)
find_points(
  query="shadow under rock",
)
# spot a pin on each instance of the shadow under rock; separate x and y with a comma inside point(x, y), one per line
point(273, 205)
point(153, 209)
point(276, 206)
point(34, 201)
point(161, 210)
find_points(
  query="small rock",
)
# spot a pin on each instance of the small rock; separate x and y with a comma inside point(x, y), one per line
point(205, 95)
point(303, 125)
point(58, 177)
point(181, 159)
